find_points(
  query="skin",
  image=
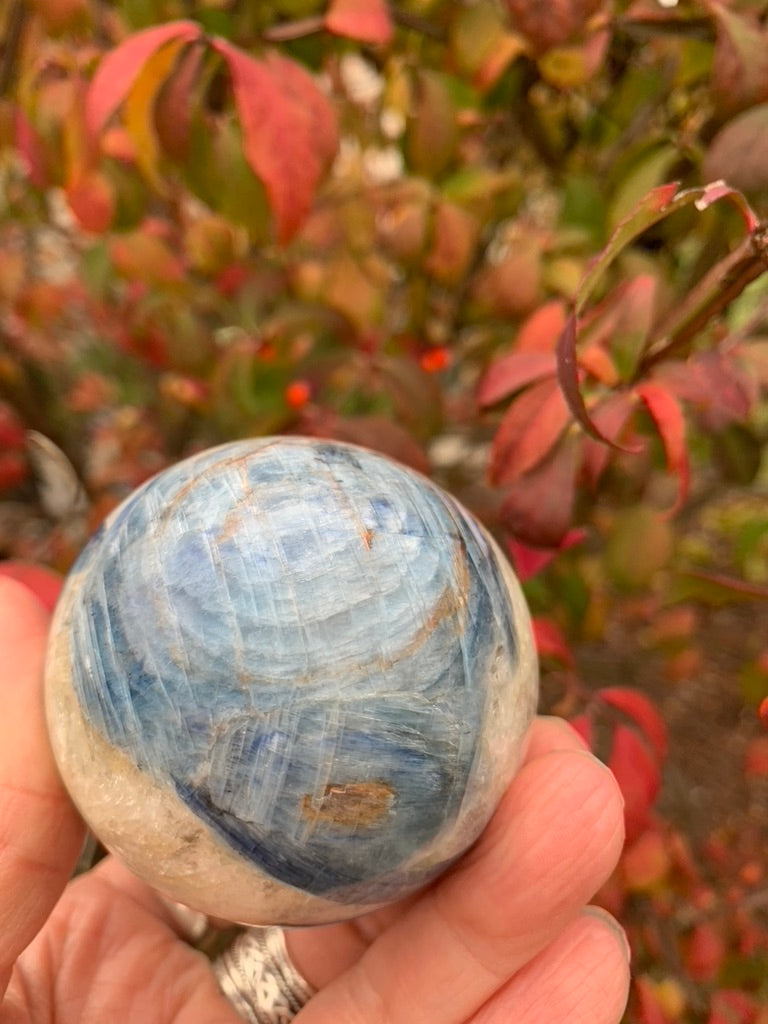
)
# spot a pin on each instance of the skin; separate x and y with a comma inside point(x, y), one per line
point(506, 935)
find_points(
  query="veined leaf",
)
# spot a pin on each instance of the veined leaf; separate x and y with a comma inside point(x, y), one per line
point(670, 422)
point(716, 588)
point(513, 371)
point(538, 506)
point(529, 431)
point(289, 131)
point(642, 711)
point(120, 67)
point(658, 204)
point(140, 108)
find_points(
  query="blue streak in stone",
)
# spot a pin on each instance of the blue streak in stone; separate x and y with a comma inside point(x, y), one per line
point(267, 624)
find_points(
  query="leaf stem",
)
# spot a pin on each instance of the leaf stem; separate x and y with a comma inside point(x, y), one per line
point(298, 29)
point(712, 295)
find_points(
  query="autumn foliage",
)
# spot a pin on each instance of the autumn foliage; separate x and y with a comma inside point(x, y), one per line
point(518, 246)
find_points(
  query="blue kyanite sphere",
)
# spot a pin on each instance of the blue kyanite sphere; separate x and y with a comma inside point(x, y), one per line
point(288, 681)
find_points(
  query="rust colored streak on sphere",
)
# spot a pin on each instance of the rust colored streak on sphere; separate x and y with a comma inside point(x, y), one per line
point(351, 805)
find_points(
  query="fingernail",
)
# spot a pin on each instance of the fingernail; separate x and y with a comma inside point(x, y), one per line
point(567, 728)
point(613, 924)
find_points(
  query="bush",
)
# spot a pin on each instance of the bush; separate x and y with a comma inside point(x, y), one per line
point(517, 246)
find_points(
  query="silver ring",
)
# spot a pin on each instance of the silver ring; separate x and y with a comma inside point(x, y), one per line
point(257, 977)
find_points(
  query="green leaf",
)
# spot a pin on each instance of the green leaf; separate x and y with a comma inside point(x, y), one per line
point(715, 589)
point(647, 172)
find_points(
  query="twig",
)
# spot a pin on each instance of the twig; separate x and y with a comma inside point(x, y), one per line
point(417, 24)
point(298, 29)
point(713, 294)
point(14, 29)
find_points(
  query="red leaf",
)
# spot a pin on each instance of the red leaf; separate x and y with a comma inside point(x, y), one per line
point(44, 583)
point(714, 384)
point(642, 711)
point(646, 862)
point(568, 375)
point(717, 190)
point(610, 416)
point(530, 560)
point(173, 105)
point(92, 200)
point(650, 1009)
point(740, 63)
point(550, 641)
point(705, 952)
point(637, 773)
point(289, 131)
point(731, 1006)
point(119, 68)
point(582, 724)
point(30, 148)
point(367, 23)
point(539, 333)
point(530, 429)
point(538, 507)
point(512, 372)
point(670, 422)
point(756, 757)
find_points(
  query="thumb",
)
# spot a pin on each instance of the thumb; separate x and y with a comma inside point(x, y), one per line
point(40, 832)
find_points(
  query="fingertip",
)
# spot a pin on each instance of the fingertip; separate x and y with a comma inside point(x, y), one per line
point(550, 732)
point(608, 922)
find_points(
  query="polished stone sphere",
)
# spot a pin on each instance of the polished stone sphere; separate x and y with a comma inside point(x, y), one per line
point(288, 681)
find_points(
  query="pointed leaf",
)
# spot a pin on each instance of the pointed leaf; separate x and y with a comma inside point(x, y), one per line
point(649, 211)
point(538, 507)
point(513, 371)
point(658, 204)
point(714, 384)
point(568, 376)
point(610, 417)
point(649, 1006)
point(289, 131)
point(140, 108)
point(642, 711)
point(636, 314)
point(740, 151)
point(740, 63)
point(528, 560)
point(92, 200)
point(547, 25)
point(583, 725)
point(551, 642)
point(367, 23)
point(540, 331)
point(120, 67)
point(637, 773)
point(529, 431)
point(30, 147)
point(716, 588)
point(173, 106)
point(670, 422)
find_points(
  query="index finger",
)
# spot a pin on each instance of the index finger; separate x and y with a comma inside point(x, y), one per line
point(40, 831)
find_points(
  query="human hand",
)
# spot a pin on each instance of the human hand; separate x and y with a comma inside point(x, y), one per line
point(505, 936)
